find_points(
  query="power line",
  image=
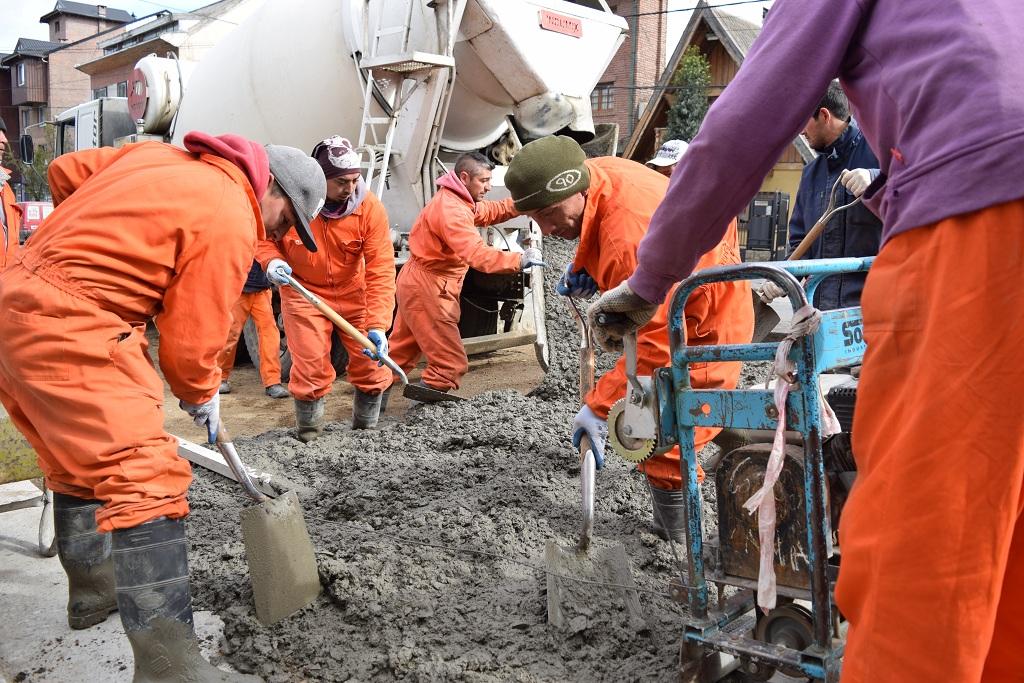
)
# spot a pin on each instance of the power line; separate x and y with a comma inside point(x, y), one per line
point(690, 9)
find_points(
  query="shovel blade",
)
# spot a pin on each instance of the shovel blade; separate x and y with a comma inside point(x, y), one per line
point(282, 565)
point(605, 563)
point(418, 392)
point(765, 319)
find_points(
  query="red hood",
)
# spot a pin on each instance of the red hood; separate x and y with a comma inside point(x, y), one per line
point(452, 182)
point(243, 153)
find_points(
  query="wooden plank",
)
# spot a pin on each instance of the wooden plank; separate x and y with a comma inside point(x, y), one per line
point(214, 461)
point(495, 342)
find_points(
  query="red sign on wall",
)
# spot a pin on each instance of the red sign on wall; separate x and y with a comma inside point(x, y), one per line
point(559, 23)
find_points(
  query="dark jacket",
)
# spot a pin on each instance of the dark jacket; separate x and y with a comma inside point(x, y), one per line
point(853, 232)
point(257, 280)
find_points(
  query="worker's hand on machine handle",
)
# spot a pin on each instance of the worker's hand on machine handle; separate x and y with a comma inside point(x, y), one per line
point(587, 422)
point(205, 415)
point(577, 284)
point(856, 180)
point(770, 291)
point(381, 342)
point(531, 257)
point(273, 267)
point(619, 311)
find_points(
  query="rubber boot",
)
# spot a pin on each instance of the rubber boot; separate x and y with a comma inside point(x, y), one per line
point(85, 555)
point(385, 396)
point(669, 514)
point(365, 410)
point(309, 419)
point(153, 594)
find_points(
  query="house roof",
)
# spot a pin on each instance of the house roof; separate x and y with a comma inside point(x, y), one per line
point(30, 47)
point(81, 9)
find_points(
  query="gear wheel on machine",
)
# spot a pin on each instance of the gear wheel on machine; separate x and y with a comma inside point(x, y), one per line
point(631, 449)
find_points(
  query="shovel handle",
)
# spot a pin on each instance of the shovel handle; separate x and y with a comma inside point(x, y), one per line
point(588, 468)
point(227, 449)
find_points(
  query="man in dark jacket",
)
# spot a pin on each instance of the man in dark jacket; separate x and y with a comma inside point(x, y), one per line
point(840, 145)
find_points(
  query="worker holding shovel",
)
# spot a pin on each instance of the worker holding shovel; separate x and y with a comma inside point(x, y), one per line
point(607, 203)
point(147, 231)
point(932, 536)
point(353, 272)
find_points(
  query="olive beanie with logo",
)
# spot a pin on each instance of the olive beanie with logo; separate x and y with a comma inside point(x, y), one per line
point(546, 171)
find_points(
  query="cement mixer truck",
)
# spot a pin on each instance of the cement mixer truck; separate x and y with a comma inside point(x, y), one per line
point(413, 83)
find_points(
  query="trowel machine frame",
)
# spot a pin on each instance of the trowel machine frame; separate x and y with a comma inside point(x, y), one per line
point(806, 643)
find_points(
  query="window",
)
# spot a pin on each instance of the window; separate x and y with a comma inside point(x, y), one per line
point(602, 99)
point(21, 73)
point(99, 92)
point(122, 89)
point(26, 119)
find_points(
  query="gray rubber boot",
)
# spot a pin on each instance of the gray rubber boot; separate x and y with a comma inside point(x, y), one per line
point(669, 514)
point(85, 555)
point(309, 419)
point(385, 396)
point(151, 566)
point(365, 410)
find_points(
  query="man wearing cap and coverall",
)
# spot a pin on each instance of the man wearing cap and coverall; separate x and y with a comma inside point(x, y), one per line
point(932, 536)
point(353, 272)
point(444, 243)
point(10, 212)
point(147, 231)
point(607, 204)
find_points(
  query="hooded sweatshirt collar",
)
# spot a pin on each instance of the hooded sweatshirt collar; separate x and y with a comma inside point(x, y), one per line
point(452, 182)
point(247, 155)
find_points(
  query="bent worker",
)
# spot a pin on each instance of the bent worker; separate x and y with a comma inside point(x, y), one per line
point(147, 231)
point(444, 244)
point(353, 272)
point(932, 536)
point(607, 204)
point(256, 303)
point(10, 212)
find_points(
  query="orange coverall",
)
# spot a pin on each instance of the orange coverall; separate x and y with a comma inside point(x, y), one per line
point(144, 231)
point(11, 222)
point(258, 306)
point(938, 508)
point(444, 243)
point(353, 272)
point(622, 197)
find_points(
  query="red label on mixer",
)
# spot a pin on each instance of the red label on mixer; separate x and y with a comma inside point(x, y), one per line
point(559, 23)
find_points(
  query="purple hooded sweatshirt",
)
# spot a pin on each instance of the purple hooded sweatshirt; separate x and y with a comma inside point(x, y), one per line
point(935, 84)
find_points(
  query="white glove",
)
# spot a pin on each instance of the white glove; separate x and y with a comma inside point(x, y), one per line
point(205, 414)
point(770, 292)
point(531, 257)
point(855, 180)
point(617, 313)
point(587, 422)
point(272, 269)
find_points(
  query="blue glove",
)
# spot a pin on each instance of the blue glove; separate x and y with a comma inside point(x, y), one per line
point(381, 342)
point(272, 269)
point(578, 284)
point(587, 422)
point(205, 414)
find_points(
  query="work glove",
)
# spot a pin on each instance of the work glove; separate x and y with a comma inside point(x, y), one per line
point(618, 312)
point(587, 422)
point(770, 292)
point(531, 257)
point(381, 342)
point(578, 284)
point(272, 269)
point(205, 414)
point(856, 180)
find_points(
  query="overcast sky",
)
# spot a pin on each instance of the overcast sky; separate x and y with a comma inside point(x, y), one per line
point(21, 17)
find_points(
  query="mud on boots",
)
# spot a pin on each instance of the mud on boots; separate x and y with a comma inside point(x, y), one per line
point(155, 602)
point(85, 555)
point(309, 419)
point(669, 508)
point(366, 409)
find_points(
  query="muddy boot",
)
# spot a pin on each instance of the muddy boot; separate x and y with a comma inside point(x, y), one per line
point(365, 410)
point(669, 514)
point(309, 419)
point(85, 555)
point(151, 565)
point(385, 396)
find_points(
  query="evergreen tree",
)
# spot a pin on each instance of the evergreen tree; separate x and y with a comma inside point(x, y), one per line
point(691, 81)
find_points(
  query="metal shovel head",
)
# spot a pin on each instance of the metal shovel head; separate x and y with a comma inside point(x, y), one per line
point(572, 575)
point(420, 392)
point(765, 319)
point(282, 566)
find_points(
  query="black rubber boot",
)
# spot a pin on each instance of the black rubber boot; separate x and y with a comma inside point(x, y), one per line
point(309, 419)
point(85, 555)
point(365, 410)
point(385, 396)
point(669, 514)
point(151, 566)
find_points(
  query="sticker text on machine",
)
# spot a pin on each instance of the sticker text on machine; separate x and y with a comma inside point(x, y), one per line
point(559, 23)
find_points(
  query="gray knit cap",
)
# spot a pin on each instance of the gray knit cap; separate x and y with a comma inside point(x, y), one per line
point(546, 171)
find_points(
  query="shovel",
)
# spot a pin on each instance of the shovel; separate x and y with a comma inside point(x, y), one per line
point(765, 317)
point(600, 562)
point(282, 566)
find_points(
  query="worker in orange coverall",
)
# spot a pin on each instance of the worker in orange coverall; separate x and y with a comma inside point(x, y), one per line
point(148, 231)
point(255, 302)
point(354, 274)
point(607, 204)
point(444, 244)
point(10, 212)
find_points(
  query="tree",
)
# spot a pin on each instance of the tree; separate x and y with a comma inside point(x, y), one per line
point(691, 81)
point(33, 175)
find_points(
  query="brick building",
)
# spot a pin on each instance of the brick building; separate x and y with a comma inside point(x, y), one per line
point(635, 69)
